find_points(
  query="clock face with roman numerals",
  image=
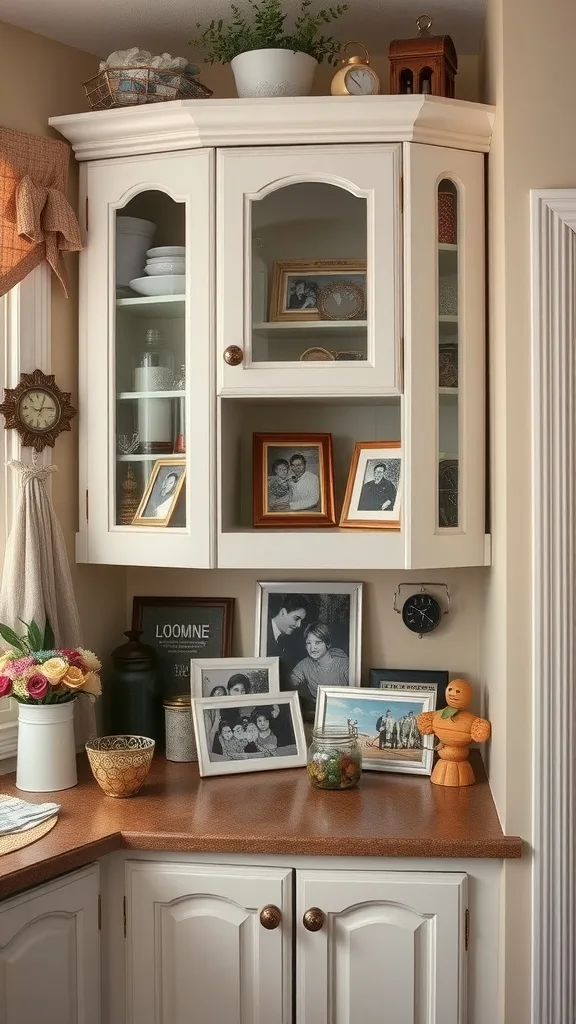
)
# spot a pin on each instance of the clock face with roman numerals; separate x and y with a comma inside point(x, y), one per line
point(421, 613)
point(37, 409)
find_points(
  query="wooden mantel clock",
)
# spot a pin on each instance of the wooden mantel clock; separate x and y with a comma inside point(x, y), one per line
point(37, 409)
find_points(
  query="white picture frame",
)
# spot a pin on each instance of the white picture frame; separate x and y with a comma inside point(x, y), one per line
point(223, 669)
point(210, 713)
point(364, 707)
point(337, 606)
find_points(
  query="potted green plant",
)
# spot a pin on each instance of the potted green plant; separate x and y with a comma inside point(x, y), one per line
point(267, 57)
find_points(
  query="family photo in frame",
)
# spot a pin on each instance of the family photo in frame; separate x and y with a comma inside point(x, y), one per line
point(159, 505)
point(240, 735)
point(293, 480)
point(315, 631)
point(318, 290)
point(234, 677)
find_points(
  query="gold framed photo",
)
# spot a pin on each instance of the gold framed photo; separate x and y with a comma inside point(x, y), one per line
point(374, 489)
point(160, 499)
point(293, 480)
point(297, 287)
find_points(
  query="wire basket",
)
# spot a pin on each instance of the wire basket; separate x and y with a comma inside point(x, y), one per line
point(128, 87)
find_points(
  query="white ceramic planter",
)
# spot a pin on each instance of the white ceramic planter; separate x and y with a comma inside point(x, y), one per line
point(46, 758)
point(273, 73)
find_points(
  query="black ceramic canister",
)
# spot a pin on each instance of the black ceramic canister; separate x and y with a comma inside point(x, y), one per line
point(135, 690)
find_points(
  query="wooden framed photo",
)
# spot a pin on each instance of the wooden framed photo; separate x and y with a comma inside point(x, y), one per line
point(374, 489)
point(234, 736)
point(293, 480)
point(318, 290)
point(234, 677)
point(386, 724)
point(315, 630)
point(181, 629)
point(160, 499)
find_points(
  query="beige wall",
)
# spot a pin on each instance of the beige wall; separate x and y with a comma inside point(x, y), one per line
point(40, 78)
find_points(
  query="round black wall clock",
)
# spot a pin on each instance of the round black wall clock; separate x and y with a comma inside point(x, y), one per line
point(37, 409)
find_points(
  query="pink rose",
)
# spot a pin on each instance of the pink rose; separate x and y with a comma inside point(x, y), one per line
point(5, 686)
point(37, 686)
point(73, 658)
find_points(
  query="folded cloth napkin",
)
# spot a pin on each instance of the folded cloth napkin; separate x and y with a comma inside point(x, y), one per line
point(18, 815)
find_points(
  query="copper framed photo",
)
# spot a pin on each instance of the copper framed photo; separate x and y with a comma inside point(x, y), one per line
point(374, 489)
point(293, 480)
point(308, 290)
point(160, 499)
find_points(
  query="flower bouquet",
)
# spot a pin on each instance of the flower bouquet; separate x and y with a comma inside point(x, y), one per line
point(45, 682)
point(34, 673)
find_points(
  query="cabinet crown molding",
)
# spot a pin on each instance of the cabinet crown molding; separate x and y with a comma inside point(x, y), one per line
point(192, 124)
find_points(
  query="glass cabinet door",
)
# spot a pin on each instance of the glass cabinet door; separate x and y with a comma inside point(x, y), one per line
point(147, 382)
point(309, 270)
point(444, 357)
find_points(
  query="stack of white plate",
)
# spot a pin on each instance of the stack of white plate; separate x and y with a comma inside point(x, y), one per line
point(165, 269)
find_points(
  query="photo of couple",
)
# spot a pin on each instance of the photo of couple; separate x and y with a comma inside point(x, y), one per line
point(311, 633)
point(240, 733)
point(293, 479)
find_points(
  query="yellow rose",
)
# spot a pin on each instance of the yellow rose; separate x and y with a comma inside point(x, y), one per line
point(74, 678)
point(54, 669)
point(92, 684)
point(89, 659)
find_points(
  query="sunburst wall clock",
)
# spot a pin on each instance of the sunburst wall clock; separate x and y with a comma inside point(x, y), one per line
point(37, 409)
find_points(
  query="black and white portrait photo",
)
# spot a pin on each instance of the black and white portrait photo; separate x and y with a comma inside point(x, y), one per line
point(293, 477)
point(234, 677)
point(314, 629)
point(161, 495)
point(298, 284)
point(246, 735)
point(374, 489)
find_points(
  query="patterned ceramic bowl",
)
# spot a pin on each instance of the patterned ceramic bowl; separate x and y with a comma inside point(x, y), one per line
point(120, 763)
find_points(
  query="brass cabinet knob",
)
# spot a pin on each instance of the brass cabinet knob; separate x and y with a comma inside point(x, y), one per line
point(270, 917)
point(314, 919)
point(233, 355)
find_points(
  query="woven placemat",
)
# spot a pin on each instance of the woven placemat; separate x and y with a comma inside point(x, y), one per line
point(12, 841)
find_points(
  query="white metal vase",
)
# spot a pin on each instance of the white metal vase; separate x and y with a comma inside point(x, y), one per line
point(46, 758)
point(273, 73)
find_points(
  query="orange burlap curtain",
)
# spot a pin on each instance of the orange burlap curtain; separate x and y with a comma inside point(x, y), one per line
point(36, 220)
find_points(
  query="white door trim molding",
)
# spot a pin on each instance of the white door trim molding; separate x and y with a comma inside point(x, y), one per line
point(25, 345)
point(553, 268)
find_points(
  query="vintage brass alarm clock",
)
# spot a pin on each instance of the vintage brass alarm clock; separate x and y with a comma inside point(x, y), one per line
point(355, 77)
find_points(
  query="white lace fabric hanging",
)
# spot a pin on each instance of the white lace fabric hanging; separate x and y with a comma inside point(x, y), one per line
point(36, 581)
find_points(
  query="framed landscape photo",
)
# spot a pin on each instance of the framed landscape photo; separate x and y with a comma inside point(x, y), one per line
point(235, 735)
point(318, 289)
point(234, 677)
point(293, 480)
point(374, 489)
point(386, 725)
point(315, 631)
point(410, 681)
point(160, 499)
point(183, 628)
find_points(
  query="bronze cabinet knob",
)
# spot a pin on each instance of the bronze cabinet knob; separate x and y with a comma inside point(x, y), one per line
point(270, 917)
point(313, 919)
point(233, 355)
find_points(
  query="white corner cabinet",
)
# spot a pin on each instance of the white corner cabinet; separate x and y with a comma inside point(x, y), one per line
point(50, 953)
point(274, 202)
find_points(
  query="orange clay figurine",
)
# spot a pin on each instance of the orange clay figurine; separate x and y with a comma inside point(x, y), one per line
point(455, 728)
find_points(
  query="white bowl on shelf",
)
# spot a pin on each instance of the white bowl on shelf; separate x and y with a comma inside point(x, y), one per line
point(164, 284)
point(175, 266)
point(163, 251)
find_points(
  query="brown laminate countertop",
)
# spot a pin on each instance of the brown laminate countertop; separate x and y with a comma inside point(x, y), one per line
point(272, 812)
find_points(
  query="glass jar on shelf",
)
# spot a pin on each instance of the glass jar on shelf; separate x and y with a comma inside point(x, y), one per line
point(334, 758)
point(154, 372)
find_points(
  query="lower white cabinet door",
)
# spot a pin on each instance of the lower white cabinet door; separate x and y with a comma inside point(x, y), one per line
point(197, 952)
point(50, 953)
point(388, 950)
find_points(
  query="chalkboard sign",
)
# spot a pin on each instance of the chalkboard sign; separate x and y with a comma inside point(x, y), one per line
point(181, 628)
